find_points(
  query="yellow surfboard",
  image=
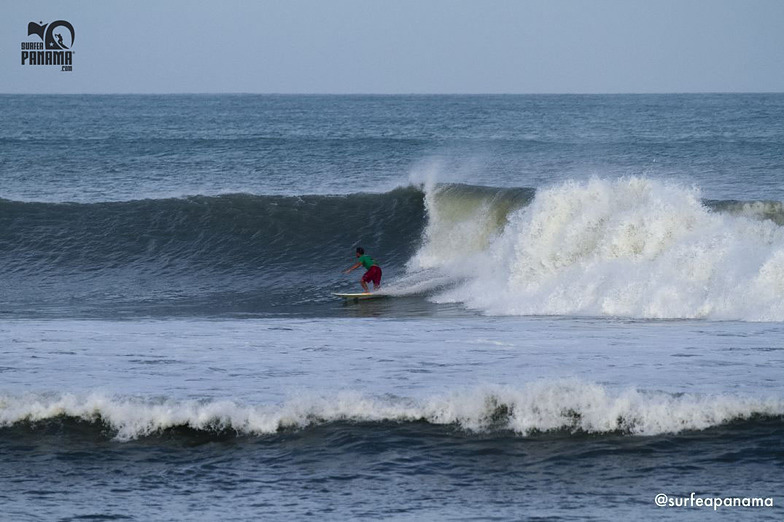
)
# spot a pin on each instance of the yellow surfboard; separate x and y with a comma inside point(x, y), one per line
point(361, 296)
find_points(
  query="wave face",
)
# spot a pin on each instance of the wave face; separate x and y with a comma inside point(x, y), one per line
point(195, 249)
point(548, 406)
point(238, 233)
point(632, 247)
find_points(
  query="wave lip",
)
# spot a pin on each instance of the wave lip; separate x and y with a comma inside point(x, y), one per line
point(572, 406)
point(631, 247)
point(463, 220)
point(759, 210)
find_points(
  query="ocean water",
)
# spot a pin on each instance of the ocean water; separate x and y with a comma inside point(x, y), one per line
point(585, 307)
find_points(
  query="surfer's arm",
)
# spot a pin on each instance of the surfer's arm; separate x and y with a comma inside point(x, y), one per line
point(353, 268)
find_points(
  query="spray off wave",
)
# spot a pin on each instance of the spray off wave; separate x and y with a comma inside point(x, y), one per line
point(545, 406)
point(631, 247)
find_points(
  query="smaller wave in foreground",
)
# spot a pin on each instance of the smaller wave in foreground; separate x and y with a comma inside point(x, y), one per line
point(570, 406)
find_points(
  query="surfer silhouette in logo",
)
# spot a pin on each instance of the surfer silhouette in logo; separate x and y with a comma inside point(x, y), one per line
point(373, 270)
point(60, 41)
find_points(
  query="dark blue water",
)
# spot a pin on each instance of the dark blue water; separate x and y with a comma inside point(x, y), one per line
point(372, 471)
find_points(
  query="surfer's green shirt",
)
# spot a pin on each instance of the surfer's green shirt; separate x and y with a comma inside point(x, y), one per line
point(366, 261)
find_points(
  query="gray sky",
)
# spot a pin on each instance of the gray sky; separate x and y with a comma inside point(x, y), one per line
point(403, 46)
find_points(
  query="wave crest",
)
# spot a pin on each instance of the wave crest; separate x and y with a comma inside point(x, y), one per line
point(572, 406)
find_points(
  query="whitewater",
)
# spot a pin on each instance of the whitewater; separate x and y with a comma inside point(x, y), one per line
point(632, 247)
point(537, 408)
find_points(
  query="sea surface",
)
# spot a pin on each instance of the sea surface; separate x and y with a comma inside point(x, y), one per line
point(584, 307)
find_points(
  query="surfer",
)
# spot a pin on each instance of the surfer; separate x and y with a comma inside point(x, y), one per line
point(373, 270)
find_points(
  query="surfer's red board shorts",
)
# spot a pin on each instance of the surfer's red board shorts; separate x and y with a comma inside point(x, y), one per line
point(373, 274)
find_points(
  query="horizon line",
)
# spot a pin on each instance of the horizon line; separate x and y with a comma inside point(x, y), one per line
point(272, 93)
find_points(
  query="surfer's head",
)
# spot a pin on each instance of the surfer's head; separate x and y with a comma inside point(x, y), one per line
point(360, 251)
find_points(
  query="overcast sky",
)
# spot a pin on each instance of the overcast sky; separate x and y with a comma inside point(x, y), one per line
point(403, 46)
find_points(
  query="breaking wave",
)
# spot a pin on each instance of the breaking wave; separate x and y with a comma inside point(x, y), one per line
point(563, 406)
point(632, 247)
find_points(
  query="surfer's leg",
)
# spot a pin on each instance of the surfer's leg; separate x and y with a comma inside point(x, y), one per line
point(376, 277)
point(364, 286)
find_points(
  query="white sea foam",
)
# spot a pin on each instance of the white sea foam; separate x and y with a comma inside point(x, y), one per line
point(631, 247)
point(539, 406)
